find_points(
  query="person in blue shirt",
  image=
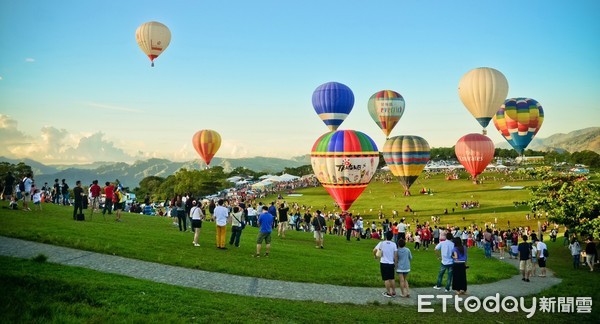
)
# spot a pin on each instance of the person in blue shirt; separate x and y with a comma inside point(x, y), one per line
point(265, 224)
point(446, 248)
point(403, 268)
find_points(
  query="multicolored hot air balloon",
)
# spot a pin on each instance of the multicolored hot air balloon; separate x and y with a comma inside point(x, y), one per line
point(406, 156)
point(482, 91)
point(386, 108)
point(474, 152)
point(333, 102)
point(153, 38)
point(207, 143)
point(344, 162)
point(519, 120)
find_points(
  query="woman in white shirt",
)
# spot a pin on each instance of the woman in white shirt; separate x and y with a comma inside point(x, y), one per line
point(197, 216)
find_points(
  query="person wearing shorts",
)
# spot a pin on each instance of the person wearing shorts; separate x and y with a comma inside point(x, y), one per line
point(387, 263)
point(265, 224)
point(525, 258)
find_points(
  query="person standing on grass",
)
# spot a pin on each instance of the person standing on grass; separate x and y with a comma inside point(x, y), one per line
point(273, 211)
point(109, 195)
point(403, 268)
point(349, 225)
point(117, 203)
point(283, 219)
point(590, 252)
point(64, 188)
point(197, 216)
point(95, 196)
point(541, 248)
point(27, 183)
point(445, 248)
point(265, 225)
point(237, 217)
point(78, 196)
point(487, 243)
point(525, 258)
point(320, 227)
point(575, 249)
point(459, 268)
point(387, 263)
point(221, 214)
point(37, 200)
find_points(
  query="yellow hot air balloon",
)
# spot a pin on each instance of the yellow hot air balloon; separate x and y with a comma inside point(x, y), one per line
point(153, 38)
point(482, 91)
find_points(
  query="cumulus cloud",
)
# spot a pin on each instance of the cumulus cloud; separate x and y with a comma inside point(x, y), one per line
point(11, 138)
point(29, 60)
point(0, 77)
point(54, 145)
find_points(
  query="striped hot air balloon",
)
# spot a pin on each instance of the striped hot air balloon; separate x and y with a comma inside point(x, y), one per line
point(333, 102)
point(207, 143)
point(344, 162)
point(474, 152)
point(406, 156)
point(386, 108)
point(153, 38)
point(519, 120)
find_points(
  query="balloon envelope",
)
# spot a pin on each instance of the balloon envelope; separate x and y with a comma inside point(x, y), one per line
point(344, 162)
point(207, 143)
point(519, 120)
point(482, 91)
point(333, 102)
point(386, 108)
point(474, 152)
point(153, 38)
point(406, 156)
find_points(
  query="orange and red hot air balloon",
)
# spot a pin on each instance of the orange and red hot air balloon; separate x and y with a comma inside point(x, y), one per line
point(207, 143)
point(474, 152)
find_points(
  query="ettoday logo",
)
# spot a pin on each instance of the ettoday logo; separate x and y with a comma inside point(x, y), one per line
point(508, 304)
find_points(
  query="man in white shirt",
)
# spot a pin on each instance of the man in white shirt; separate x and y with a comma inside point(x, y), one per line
point(221, 215)
point(541, 247)
point(445, 247)
point(402, 230)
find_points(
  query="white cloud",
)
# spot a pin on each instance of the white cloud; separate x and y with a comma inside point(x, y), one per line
point(29, 60)
point(0, 77)
point(54, 145)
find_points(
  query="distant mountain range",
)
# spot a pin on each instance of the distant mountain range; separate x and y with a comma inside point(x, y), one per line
point(131, 174)
point(575, 141)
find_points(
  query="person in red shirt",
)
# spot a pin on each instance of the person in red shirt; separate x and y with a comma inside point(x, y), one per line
point(109, 192)
point(349, 225)
point(95, 196)
point(426, 237)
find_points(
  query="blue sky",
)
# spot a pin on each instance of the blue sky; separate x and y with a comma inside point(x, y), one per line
point(75, 87)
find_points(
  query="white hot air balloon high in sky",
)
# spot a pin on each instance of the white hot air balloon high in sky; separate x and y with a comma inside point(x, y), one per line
point(483, 91)
point(153, 38)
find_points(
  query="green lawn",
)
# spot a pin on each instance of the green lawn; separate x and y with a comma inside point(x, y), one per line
point(41, 292)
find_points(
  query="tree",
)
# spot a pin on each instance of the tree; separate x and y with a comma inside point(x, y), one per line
point(570, 200)
point(149, 185)
point(299, 171)
point(589, 158)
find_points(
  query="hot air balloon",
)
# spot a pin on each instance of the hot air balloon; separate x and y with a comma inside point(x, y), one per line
point(474, 152)
point(483, 91)
point(333, 102)
point(518, 120)
point(386, 108)
point(207, 143)
point(344, 162)
point(406, 156)
point(153, 38)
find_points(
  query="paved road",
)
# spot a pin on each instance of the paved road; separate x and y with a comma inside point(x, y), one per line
point(249, 286)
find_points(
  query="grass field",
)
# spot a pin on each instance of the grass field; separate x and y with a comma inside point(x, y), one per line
point(73, 295)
